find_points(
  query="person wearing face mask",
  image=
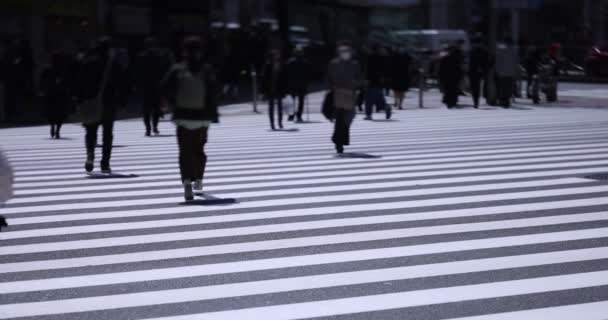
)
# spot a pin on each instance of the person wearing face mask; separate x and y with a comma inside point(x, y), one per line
point(274, 80)
point(103, 79)
point(344, 77)
point(191, 89)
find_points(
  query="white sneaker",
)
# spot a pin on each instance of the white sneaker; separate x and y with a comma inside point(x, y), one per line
point(198, 185)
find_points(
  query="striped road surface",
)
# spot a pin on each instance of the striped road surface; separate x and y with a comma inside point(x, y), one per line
point(441, 214)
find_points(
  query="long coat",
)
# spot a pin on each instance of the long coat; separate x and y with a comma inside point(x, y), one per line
point(344, 78)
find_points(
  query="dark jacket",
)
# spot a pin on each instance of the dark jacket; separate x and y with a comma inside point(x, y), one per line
point(401, 72)
point(450, 70)
point(151, 67)
point(479, 61)
point(90, 78)
point(276, 87)
point(378, 71)
point(298, 75)
point(170, 89)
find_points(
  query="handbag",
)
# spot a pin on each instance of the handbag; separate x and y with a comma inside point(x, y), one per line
point(328, 108)
point(90, 111)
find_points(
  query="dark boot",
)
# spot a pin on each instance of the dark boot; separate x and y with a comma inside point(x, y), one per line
point(89, 164)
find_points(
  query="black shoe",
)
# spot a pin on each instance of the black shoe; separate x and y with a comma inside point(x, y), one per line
point(148, 134)
point(299, 120)
point(105, 168)
point(52, 132)
point(339, 149)
point(273, 128)
point(3, 223)
point(188, 193)
point(88, 166)
point(57, 136)
point(290, 118)
point(156, 131)
point(281, 126)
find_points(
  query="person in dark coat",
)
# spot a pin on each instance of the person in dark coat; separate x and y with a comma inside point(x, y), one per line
point(531, 64)
point(191, 87)
point(274, 79)
point(401, 75)
point(345, 78)
point(450, 75)
point(100, 63)
point(377, 76)
point(298, 78)
point(56, 84)
point(479, 64)
point(151, 66)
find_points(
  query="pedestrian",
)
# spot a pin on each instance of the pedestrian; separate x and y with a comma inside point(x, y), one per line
point(450, 76)
point(344, 77)
point(377, 76)
point(57, 85)
point(401, 75)
point(6, 185)
point(298, 77)
point(102, 90)
point(506, 70)
point(274, 77)
point(479, 63)
point(191, 88)
point(532, 62)
point(152, 65)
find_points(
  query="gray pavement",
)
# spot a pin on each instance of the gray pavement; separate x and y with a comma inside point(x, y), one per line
point(437, 214)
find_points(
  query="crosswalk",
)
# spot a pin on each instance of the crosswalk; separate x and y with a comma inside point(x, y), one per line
point(441, 214)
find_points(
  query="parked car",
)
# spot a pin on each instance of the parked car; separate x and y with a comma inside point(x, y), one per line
point(596, 62)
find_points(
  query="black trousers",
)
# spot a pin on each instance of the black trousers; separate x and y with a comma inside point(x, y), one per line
point(91, 139)
point(301, 98)
point(152, 112)
point(505, 90)
point(192, 157)
point(451, 91)
point(278, 101)
point(475, 83)
point(342, 123)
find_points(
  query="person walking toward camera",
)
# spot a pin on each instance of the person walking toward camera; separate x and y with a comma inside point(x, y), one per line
point(274, 79)
point(344, 75)
point(191, 89)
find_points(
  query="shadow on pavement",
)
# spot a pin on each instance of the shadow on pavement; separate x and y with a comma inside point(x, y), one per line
point(99, 175)
point(355, 155)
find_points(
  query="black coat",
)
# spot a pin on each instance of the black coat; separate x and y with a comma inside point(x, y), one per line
point(299, 75)
point(378, 72)
point(90, 78)
point(401, 72)
point(450, 70)
point(479, 61)
point(274, 87)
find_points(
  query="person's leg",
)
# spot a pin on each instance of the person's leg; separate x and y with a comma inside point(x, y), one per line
point(108, 137)
point(301, 100)
point(338, 136)
point(280, 110)
point(185, 146)
point(147, 114)
point(155, 119)
point(58, 126)
point(369, 103)
point(475, 83)
point(201, 140)
point(385, 106)
point(90, 143)
point(271, 102)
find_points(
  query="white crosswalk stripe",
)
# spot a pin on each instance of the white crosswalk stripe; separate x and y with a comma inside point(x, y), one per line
point(460, 214)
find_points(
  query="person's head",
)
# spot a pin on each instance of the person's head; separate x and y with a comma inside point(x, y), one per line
point(344, 50)
point(193, 52)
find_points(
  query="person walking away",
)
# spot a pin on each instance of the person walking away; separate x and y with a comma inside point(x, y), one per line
point(344, 77)
point(273, 86)
point(191, 88)
point(479, 63)
point(506, 70)
point(102, 79)
point(401, 75)
point(376, 77)
point(56, 88)
point(298, 77)
point(6, 185)
point(450, 75)
point(152, 65)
